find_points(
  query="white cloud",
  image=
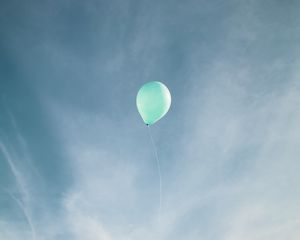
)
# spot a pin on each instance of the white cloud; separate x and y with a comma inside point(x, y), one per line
point(234, 172)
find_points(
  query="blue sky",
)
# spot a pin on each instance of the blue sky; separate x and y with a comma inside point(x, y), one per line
point(75, 158)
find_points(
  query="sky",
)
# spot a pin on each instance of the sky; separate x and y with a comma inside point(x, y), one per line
point(76, 160)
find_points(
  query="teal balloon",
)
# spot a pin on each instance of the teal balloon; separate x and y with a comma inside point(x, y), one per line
point(153, 101)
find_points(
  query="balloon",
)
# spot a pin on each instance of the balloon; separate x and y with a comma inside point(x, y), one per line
point(153, 101)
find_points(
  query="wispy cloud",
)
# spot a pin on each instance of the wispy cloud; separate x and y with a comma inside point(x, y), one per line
point(229, 146)
point(23, 202)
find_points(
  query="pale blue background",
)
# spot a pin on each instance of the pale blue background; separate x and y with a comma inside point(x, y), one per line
point(75, 158)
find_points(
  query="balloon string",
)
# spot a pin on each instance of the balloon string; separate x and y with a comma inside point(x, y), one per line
point(158, 168)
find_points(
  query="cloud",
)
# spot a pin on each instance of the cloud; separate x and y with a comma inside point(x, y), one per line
point(83, 225)
point(228, 149)
point(23, 202)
